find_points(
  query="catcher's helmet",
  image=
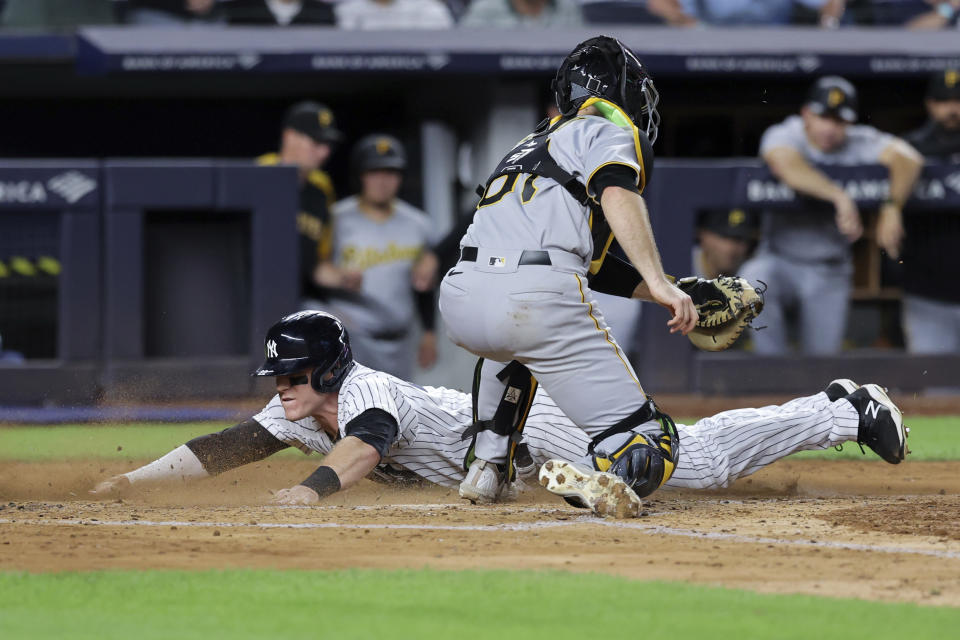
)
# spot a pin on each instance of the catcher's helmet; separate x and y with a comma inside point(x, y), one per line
point(603, 67)
point(308, 339)
point(379, 151)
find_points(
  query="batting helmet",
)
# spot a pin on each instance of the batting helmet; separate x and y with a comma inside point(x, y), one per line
point(308, 339)
point(378, 151)
point(603, 67)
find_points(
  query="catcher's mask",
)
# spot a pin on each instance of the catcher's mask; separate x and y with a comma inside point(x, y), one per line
point(603, 67)
point(308, 339)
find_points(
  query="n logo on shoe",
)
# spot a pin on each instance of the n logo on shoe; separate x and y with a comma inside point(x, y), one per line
point(873, 409)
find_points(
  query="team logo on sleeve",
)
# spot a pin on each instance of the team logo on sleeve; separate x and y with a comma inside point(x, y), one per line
point(271, 348)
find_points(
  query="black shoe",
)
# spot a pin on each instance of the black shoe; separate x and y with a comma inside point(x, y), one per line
point(840, 388)
point(881, 423)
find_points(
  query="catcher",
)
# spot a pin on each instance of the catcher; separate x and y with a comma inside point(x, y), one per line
point(521, 298)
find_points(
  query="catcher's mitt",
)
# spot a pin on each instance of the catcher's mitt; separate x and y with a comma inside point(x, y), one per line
point(726, 306)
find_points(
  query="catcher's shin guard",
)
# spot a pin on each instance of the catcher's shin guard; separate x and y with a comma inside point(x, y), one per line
point(645, 461)
point(511, 414)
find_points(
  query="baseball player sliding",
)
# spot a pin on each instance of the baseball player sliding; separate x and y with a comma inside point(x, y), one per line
point(521, 298)
point(364, 420)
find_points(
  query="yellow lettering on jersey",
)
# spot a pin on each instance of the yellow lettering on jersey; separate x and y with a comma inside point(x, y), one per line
point(509, 184)
point(362, 258)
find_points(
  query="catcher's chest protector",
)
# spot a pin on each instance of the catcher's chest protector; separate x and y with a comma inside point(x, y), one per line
point(532, 157)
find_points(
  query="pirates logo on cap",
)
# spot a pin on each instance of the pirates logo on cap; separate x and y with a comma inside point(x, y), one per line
point(736, 218)
point(325, 117)
point(383, 146)
point(835, 98)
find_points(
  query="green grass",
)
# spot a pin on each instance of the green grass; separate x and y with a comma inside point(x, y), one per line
point(430, 604)
point(931, 438)
point(135, 441)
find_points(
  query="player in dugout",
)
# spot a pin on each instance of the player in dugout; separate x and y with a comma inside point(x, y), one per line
point(380, 246)
point(308, 138)
point(366, 422)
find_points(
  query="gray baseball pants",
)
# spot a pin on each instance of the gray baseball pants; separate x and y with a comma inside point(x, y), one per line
point(545, 317)
point(820, 292)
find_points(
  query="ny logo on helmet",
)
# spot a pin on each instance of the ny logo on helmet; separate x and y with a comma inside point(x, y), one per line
point(271, 348)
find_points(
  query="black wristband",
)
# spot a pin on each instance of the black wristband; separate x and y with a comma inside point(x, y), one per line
point(324, 481)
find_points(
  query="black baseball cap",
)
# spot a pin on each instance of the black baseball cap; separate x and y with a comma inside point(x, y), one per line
point(833, 97)
point(379, 151)
point(740, 224)
point(313, 119)
point(944, 85)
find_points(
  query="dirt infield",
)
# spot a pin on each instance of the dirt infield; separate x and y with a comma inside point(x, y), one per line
point(853, 529)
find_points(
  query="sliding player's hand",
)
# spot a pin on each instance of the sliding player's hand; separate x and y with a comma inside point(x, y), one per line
point(295, 495)
point(114, 486)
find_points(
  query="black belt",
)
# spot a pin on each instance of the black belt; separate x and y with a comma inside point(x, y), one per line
point(527, 256)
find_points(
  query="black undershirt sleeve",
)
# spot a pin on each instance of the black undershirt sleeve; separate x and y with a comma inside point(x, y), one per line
point(376, 427)
point(616, 277)
point(614, 175)
point(236, 446)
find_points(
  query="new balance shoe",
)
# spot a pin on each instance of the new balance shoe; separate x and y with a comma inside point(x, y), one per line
point(604, 493)
point(839, 388)
point(881, 423)
point(483, 483)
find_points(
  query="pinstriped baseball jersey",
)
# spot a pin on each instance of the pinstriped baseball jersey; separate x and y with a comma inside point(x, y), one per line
point(537, 212)
point(714, 451)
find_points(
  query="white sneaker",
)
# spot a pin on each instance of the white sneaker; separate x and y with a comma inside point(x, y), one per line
point(604, 493)
point(483, 482)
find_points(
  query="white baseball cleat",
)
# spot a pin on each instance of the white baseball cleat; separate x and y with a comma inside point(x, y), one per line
point(483, 483)
point(605, 493)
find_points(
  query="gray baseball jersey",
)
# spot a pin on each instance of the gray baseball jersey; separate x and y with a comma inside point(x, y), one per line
point(385, 252)
point(815, 237)
point(714, 451)
point(537, 212)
